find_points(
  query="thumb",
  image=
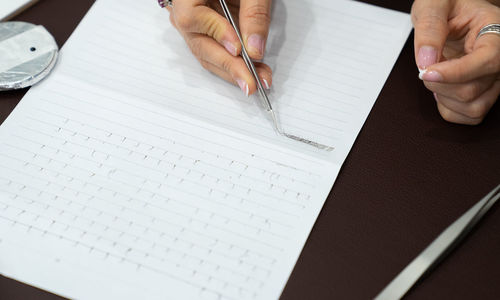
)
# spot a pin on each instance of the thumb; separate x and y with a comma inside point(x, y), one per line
point(430, 19)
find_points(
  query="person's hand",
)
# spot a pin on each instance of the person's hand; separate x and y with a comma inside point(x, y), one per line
point(462, 71)
point(214, 42)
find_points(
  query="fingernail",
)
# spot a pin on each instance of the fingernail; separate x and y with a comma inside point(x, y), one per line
point(243, 86)
point(421, 73)
point(432, 76)
point(427, 56)
point(256, 44)
point(266, 84)
point(436, 97)
point(230, 48)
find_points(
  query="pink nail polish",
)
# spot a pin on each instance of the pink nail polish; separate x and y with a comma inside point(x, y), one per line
point(256, 44)
point(230, 48)
point(432, 76)
point(243, 86)
point(427, 56)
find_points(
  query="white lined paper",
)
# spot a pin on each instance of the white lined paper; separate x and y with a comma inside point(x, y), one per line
point(148, 177)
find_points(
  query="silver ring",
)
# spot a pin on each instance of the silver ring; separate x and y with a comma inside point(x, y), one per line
point(165, 3)
point(491, 28)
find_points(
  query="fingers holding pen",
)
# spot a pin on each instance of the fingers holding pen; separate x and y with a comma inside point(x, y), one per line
point(233, 69)
point(215, 44)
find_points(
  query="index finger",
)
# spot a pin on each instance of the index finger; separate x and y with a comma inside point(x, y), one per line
point(255, 18)
point(430, 19)
point(484, 60)
point(194, 16)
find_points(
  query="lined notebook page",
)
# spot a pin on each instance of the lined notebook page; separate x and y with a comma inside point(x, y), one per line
point(329, 68)
point(131, 172)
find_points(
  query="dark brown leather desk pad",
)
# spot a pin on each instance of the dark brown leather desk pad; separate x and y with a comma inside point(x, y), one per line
point(409, 175)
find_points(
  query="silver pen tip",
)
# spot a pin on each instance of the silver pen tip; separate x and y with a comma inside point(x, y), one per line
point(275, 122)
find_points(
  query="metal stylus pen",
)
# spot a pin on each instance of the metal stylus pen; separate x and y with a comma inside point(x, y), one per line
point(251, 67)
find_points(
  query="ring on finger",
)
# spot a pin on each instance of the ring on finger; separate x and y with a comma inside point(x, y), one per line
point(490, 28)
point(165, 3)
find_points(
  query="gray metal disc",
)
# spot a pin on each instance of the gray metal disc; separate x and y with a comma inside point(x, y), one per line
point(20, 41)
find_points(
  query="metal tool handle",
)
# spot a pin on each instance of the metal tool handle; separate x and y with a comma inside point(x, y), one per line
point(246, 57)
point(439, 248)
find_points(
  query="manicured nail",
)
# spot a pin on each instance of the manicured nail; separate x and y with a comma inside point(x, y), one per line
point(421, 73)
point(243, 86)
point(256, 44)
point(230, 48)
point(427, 56)
point(436, 96)
point(266, 84)
point(432, 76)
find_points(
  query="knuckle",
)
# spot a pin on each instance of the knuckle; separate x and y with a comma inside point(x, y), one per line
point(430, 24)
point(204, 64)
point(211, 27)
point(257, 13)
point(429, 21)
point(184, 22)
point(495, 62)
point(226, 65)
point(476, 110)
point(468, 93)
point(196, 48)
point(448, 115)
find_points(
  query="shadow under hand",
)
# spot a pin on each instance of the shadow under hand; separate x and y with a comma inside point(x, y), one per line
point(285, 44)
